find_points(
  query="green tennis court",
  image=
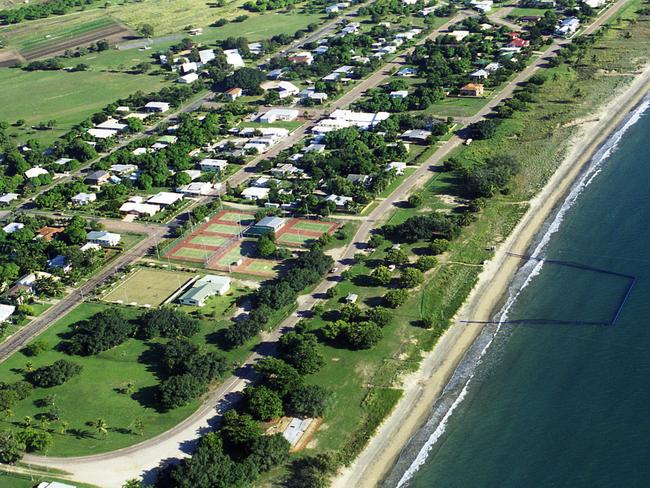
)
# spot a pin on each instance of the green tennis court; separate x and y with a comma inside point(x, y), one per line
point(295, 238)
point(191, 253)
point(231, 230)
point(236, 217)
point(312, 226)
point(214, 241)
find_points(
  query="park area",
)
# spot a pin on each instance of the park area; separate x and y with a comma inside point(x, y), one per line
point(218, 244)
point(147, 287)
point(119, 385)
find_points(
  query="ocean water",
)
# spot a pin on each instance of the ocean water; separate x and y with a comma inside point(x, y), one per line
point(560, 402)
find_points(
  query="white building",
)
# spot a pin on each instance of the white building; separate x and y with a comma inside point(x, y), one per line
point(6, 311)
point(188, 78)
point(339, 200)
point(233, 58)
point(165, 198)
point(568, 26)
point(363, 120)
point(35, 172)
point(102, 133)
point(208, 164)
point(112, 124)
point(396, 166)
point(139, 209)
point(255, 193)
point(204, 288)
point(196, 189)
point(206, 55)
point(159, 107)
point(103, 238)
point(284, 114)
point(13, 227)
point(83, 198)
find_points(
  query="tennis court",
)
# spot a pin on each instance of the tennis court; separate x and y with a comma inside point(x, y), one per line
point(231, 230)
point(208, 240)
point(297, 232)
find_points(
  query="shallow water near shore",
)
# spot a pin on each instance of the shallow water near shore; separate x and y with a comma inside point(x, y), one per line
point(560, 402)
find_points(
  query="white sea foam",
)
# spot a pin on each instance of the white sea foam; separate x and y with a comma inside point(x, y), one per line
point(525, 275)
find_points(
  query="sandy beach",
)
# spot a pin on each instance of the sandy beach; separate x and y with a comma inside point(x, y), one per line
point(424, 387)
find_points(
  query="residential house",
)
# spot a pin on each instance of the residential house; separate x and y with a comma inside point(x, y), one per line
point(359, 179)
point(255, 193)
point(339, 200)
point(480, 74)
point(97, 178)
point(35, 172)
point(6, 311)
point(416, 135)
point(233, 58)
point(209, 164)
point(159, 107)
point(396, 166)
point(399, 94)
point(47, 233)
point(285, 170)
point(233, 94)
point(471, 90)
point(12, 227)
point(139, 209)
point(7, 198)
point(301, 58)
point(206, 55)
point(59, 262)
point(188, 78)
point(103, 238)
point(125, 169)
point(407, 72)
point(102, 133)
point(203, 188)
point(165, 198)
point(567, 26)
point(205, 288)
point(519, 42)
point(83, 198)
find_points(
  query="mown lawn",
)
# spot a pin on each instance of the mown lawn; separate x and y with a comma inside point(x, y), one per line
point(95, 392)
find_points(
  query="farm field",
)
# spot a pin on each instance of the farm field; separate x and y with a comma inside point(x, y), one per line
point(148, 287)
point(99, 385)
point(68, 98)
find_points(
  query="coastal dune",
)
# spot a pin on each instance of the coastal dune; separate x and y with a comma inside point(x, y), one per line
point(424, 387)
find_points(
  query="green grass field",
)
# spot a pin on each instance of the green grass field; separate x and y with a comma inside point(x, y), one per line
point(259, 266)
point(290, 125)
point(215, 241)
point(148, 286)
point(95, 392)
point(67, 98)
point(525, 12)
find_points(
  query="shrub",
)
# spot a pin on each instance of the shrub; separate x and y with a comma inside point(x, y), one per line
point(395, 298)
point(308, 400)
point(180, 390)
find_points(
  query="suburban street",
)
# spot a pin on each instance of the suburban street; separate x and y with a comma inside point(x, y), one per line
point(143, 458)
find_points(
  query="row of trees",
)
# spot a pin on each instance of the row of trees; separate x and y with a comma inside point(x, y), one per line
point(305, 270)
point(40, 10)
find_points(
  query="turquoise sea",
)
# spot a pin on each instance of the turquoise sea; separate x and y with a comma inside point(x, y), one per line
point(560, 403)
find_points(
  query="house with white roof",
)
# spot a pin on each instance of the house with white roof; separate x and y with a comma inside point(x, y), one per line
point(139, 209)
point(165, 198)
point(201, 188)
point(112, 124)
point(363, 120)
point(233, 58)
point(7, 198)
point(188, 78)
point(339, 200)
point(102, 133)
point(103, 238)
point(401, 94)
point(255, 193)
point(159, 107)
point(284, 114)
point(124, 169)
point(396, 166)
point(13, 227)
point(209, 164)
point(35, 172)
point(206, 55)
point(83, 198)
point(6, 311)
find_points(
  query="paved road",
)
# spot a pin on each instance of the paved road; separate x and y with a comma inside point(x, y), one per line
point(141, 459)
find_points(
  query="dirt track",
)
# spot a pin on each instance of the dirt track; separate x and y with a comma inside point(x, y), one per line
point(112, 33)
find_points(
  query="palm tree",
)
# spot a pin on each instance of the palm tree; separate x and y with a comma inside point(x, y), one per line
point(101, 426)
point(29, 366)
point(27, 421)
point(64, 427)
point(138, 426)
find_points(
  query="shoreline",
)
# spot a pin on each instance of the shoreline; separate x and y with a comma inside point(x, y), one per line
point(424, 387)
